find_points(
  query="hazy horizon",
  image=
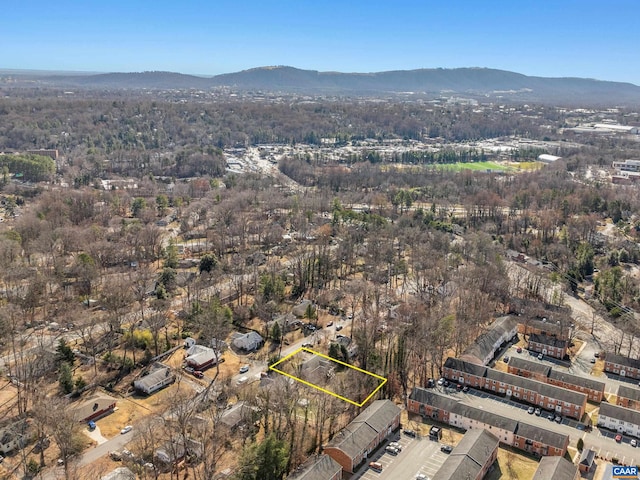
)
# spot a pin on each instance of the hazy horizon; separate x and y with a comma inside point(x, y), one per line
point(554, 39)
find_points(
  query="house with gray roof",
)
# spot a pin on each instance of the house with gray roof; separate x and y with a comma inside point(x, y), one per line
point(484, 349)
point(587, 460)
point(628, 397)
point(430, 404)
point(322, 468)
point(539, 441)
point(248, 342)
point(556, 468)
point(623, 366)
point(547, 345)
point(93, 407)
point(351, 446)
point(528, 368)
point(472, 458)
point(160, 376)
point(619, 419)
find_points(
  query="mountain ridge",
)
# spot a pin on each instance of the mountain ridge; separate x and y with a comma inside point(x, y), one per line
point(480, 82)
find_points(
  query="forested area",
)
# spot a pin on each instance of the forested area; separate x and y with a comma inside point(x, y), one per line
point(417, 255)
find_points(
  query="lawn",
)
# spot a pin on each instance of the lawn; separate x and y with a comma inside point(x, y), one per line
point(511, 167)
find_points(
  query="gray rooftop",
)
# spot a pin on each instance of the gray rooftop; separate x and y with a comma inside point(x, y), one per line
point(466, 367)
point(621, 413)
point(379, 415)
point(555, 468)
point(577, 380)
point(629, 392)
point(430, 397)
point(620, 360)
point(356, 436)
point(485, 344)
point(325, 467)
point(548, 340)
point(550, 391)
point(548, 437)
point(469, 456)
point(489, 418)
point(528, 365)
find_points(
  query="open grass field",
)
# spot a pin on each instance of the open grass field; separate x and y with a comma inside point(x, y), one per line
point(510, 167)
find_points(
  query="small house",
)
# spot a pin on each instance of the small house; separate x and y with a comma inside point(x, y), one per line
point(248, 342)
point(158, 378)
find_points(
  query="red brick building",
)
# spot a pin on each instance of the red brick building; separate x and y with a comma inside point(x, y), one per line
point(546, 345)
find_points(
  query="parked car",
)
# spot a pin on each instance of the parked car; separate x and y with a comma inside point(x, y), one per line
point(531, 410)
point(597, 355)
point(446, 448)
point(465, 389)
point(409, 433)
point(441, 381)
point(431, 383)
point(505, 359)
point(188, 369)
point(558, 419)
point(550, 417)
point(329, 324)
point(307, 345)
point(391, 450)
point(538, 412)
point(540, 356)
point(338, 328)
point(245, 368)
point(618, 438)
point(421, 476)
point(396, 445)
point(446, 383)
point(459, 386)
point(377, 466)
point(519, 349)
point(198, 374)
point(91, 424)
point(126, 429)
point(633, 442)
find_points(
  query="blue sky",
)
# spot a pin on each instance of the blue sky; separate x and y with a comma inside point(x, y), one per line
point(586, 38)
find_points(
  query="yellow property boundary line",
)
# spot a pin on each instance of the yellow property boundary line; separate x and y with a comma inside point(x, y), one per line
point(324, 390)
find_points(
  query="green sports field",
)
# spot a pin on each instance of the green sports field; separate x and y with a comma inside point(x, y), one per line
point(492, 166)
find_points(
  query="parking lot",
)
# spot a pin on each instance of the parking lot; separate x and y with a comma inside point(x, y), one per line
point(418, 455)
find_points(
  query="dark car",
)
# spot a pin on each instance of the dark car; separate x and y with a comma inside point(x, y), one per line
point(446, 448)
point(431, 383)
point(505, 359)
point(409, 433)
point(446, 383)
point(465, 389)
point(198, 374)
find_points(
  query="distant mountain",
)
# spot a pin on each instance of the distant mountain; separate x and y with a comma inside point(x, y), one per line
point(481, 83)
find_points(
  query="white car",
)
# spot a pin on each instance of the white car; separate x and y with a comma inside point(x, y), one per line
point(633, 442)
point(422, 476)
point(244, 369)
point(441, 382)
point(126, 429)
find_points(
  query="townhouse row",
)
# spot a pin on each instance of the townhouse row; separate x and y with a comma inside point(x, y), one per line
point(562, 401)
point(447, 410)
point(544, 373)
